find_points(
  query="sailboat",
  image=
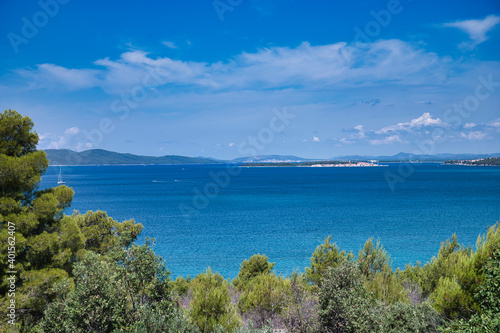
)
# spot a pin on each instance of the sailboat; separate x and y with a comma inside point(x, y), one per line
point(59, 179)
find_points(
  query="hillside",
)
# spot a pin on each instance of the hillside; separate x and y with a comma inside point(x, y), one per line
point(102, 157)
point(483, 162)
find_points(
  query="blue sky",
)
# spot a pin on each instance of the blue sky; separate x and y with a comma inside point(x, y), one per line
point(233, 78)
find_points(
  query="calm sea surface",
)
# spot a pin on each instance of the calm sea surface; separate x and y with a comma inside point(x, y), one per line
point(286, 212)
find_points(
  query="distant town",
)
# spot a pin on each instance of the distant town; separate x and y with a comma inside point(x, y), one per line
point(314, 164)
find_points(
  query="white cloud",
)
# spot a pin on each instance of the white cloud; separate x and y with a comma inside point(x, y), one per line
point(423, 121)
point(476, 135)
point(170, 45)
point(469, 125)
point(338, 64)
point(388, 140)
point(53, 76)
point(59, 143)
point(231, 144)
point(315, 139)
point(476, 29)
point(72, 131)
point(496, 123)
point(73, 139)
point(361, 131)
point(347, 141)
point(395, 133)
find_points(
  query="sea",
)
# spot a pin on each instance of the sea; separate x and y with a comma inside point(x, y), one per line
point(218, 215)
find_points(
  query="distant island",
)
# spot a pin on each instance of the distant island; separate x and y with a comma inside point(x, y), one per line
point(325, 164)
point(491, 161)
point(106, 157)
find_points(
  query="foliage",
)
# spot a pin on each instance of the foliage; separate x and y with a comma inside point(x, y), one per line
point(488, 296)
point(97, 304)
point(181, 285)
point(486, 322)
point(48, 243)
point(453, 278)
point(344, 304)
point(326, 255)
point(128, 289)
point(489, 292)
point(211, 305)
point(452, 301)
point(301, 311)
point(249, 269)
point(264, 297)
point(380, 280)
point(16, 137)
point(372, 258)
point(402, 317)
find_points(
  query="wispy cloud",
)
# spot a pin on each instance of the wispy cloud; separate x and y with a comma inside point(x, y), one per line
point(169, 44)
point(420, 128)
point(54, 76)
point(422, 121)
point(476, 29)
point(398, 133)
point(475, 135)
point(495, 123)
point(336, 64)
point(388, 140)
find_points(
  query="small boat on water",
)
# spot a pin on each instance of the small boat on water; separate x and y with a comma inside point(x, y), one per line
point(59, 178)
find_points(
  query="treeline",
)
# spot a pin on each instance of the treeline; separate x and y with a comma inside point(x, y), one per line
point(84, 273)
point(490, 161)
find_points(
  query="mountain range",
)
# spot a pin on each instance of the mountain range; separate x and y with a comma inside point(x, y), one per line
point(105, 157)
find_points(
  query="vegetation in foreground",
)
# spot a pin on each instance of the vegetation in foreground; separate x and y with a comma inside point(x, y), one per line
point(84, 273)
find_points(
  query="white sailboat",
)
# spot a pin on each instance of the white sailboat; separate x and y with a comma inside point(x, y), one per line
point(59, 179)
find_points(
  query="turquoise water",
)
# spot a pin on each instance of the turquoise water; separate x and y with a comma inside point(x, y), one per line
point(286, 212)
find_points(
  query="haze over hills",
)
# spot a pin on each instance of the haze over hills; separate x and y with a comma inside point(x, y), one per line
point(270, 159)
point(105, 157)
point(412, 157)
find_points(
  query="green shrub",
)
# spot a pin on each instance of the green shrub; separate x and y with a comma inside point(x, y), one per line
point(344, 304)
point(300, 314)
point(256, 265)
point(118, 291)
point(264, 297)
point(181, 285)
point(402, 317)
point(380, 280)
point(326, 255)
point(488, 296)
point(211, 305)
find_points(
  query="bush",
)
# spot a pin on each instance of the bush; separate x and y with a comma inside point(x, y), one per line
point(211, 305)
point(126, 290)
point(181, 285)
point(264, 298)
point(300, 315)
point(401, 317)
point(344, 304)
point(488, 296)
point(256, 265)
point(326, 255)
